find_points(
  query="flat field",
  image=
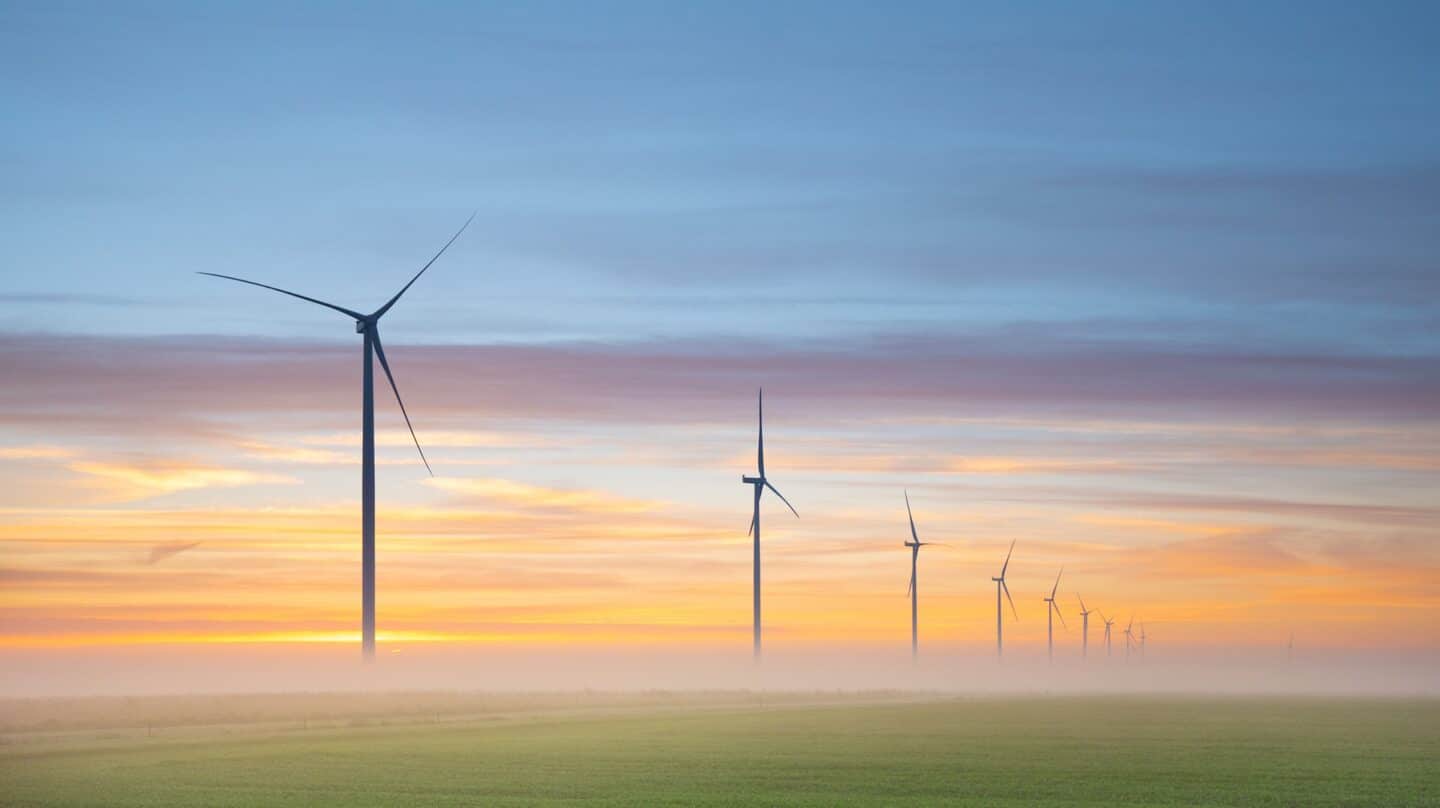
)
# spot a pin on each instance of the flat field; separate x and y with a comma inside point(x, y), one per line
point(708, 750)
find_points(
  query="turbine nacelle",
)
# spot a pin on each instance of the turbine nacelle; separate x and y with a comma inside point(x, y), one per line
point(748, 480)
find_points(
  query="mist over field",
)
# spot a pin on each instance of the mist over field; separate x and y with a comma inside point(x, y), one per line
point(418, 667)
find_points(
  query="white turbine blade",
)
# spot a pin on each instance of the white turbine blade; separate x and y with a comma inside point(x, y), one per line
point(355, 314)
point(782, 499)
point(1007, 560)
point(1006, 589)
point(909, 513)
point(380, 311)
point(380, 354)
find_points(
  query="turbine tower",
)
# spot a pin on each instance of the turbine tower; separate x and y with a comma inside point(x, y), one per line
point(1084, 628)
point(1050, 612)
point(761, 483)
point(914, 592)
point(1108, 624)
point(368, 325)
point(999, 612)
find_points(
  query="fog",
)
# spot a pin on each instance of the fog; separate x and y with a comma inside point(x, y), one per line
point(155, 670)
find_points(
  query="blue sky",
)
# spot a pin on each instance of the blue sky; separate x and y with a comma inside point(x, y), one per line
point(1256, 173)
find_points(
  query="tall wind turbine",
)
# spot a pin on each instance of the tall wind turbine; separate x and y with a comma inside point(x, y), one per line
point(1050, 612)
point(1129, 638)
point(1108, 623)
point(1084, 628)
point(914, 592)
point(368, 325)
point(999, 613)
point(761, 483)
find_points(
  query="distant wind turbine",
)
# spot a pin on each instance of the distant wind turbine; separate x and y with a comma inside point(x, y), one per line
point(1142, 640)
point(914, 591)
point(1290, 648)
point(1129, 638)
point(761, 483)
point(1051, 611)
point(369, 326)
point(1084, 628)
point(1108, 623)
point(999, 612)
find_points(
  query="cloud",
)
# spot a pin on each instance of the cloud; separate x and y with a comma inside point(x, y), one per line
point(523, 495)
point(160, 552)
point(34, 453)
point(107, 383)
point(153, 478)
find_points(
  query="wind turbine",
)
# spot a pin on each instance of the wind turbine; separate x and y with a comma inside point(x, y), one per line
point(368, 325)
point(1084, 628)
point(761, 483)
point(1290, 649)
point(914, 592)
point(1050, 612)
point(1142, 640)
point(1108, 624)
point(999, 613)
point(1129, 638)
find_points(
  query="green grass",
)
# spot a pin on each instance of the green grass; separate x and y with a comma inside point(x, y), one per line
point(1062, 751)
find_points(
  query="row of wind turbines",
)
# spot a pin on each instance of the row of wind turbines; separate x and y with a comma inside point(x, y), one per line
point(368, 326)
point(1133, 641)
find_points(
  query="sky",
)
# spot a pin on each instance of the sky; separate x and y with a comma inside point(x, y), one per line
point(1149, 289)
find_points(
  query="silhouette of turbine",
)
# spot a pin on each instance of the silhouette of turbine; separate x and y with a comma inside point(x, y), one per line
point(999, 612)
point(368, 325)
point(1051, 611)
point(760, 482)
point(914, 592)
point(1108, 623)
point(1084, 628)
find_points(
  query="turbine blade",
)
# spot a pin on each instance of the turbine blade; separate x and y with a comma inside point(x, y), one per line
point(755, 518)
point(908, 512)
point(380, 354)
point(782, 499)
point(357, 315)
point(910, 588)
point(1059, 615)
point(380, 311)
point(1082, 603)
point(760, 444)
point(1007, 559)
point(1056, 587)
point(1006, 589)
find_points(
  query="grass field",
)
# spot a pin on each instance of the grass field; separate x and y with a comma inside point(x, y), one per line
point(1022, 751)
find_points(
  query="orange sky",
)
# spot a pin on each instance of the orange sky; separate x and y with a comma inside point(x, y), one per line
point(555, 531)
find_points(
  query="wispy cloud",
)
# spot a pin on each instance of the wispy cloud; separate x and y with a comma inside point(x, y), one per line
point(524, 495)
point(152, 478)
point(35, 453)
point(160, 552)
